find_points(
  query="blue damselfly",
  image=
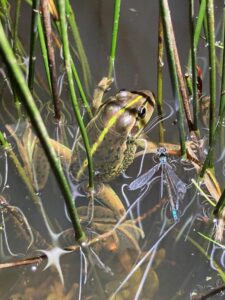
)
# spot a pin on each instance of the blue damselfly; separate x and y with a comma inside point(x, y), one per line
point(176, 188)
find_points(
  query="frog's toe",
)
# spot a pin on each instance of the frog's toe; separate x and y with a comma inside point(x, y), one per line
point(105, 83)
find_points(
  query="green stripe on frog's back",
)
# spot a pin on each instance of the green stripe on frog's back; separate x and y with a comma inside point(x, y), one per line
point(115, 154)
point(102, 135)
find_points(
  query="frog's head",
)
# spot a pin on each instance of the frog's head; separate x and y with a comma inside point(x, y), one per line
point(131, 111)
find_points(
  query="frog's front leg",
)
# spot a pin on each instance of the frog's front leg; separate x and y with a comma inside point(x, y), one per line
point(102, 87)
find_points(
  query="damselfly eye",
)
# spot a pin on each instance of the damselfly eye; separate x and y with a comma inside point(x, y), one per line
point(141, 112)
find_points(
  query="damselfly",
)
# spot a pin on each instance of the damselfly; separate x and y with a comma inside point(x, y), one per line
point(176, 188)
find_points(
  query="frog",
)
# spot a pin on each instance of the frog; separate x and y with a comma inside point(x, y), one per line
point(117, 124)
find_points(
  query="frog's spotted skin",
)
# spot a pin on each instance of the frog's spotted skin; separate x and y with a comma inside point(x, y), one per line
point(112, 135)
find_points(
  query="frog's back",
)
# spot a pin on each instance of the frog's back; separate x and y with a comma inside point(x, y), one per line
point(111, 154)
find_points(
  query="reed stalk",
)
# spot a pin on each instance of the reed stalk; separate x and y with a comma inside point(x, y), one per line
point(42, 133)
point(193, 66)
point(159, 98)
point(80, 89)
point(219, 123)
point(16, 26)
point(74, 70)
point(46, 64)
point(80, 48)
point(51, 57)
point(205, 23)
point(198, 28)
point(169, 42)
point(221, 203)
point(116, 18)
point(33, 40)
point(212, 74)
point(67, 58)
point(4, 8)
point(44, 52)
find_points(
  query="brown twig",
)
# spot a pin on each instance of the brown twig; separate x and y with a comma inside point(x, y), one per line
point(51, 56)
point(210, 293)
point(182, 85)
point(39, 258)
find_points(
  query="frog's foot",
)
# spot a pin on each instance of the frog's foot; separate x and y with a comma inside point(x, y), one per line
point(103, 86)
point(105, 83)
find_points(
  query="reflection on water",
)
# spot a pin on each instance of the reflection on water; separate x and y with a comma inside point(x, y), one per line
point(147, 236)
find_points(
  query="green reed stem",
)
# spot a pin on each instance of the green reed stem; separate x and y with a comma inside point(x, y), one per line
point(222, 42)
point(169, 41)
point(51, 57)
point(80, 88)
point(42, 133)
point(221, 203)
point(199, 22)
point(77, 79)
point(43, 46)
point(44, 50)
point(212, 75)
point(222, 88)
point(80, 49)
point(188, 79)
point(4, 6)
point(205, 24)
point(114, 36)
point(193, 66)
point(219, 124)
point(33, 40)
point(198, 28)
point(16, 26)
point(159, 98)
point(67, 57)
point(16, 51)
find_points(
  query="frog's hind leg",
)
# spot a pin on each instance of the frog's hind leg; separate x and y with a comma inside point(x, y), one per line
point(107, 196)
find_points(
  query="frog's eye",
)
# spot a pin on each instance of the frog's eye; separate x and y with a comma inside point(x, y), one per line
point(141, 112)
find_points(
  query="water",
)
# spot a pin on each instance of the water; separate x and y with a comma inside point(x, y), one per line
point(159, 236)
